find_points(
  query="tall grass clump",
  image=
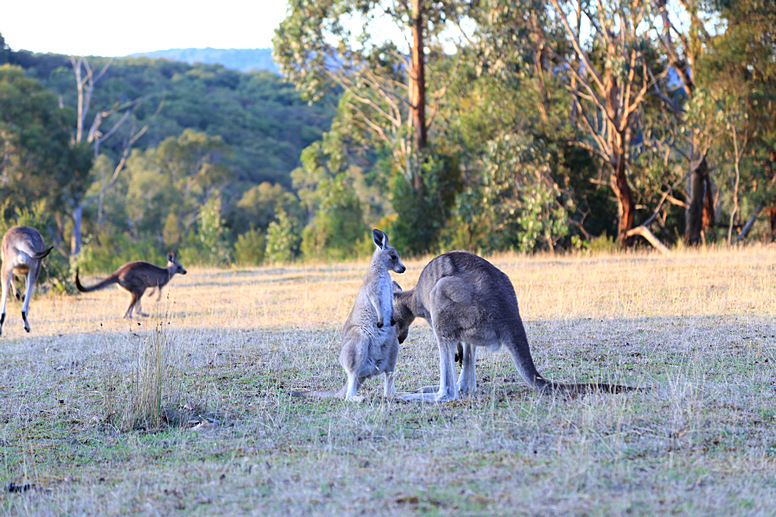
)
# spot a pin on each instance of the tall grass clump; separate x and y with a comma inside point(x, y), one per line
point(149, 394)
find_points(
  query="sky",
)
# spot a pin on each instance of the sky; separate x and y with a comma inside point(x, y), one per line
point(119, 28)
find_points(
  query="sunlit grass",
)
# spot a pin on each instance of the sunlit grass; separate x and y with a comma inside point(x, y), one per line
point(189, 410)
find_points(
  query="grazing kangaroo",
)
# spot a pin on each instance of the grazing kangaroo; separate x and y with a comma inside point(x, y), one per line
point(22, 253)
point(469, 302)
point(369, 341)
point(135, 278)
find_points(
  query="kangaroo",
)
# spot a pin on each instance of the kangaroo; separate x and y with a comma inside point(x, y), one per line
point(22, 253)
point(135, 278)
point(369, 342)
point(469, 302)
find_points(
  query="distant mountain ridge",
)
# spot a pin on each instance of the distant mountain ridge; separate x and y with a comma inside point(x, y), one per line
point(242, 59)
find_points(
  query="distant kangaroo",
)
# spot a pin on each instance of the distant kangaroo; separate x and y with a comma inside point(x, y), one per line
point(369, 343)
point(22, 253)
point(135, 278)
point(470, 303)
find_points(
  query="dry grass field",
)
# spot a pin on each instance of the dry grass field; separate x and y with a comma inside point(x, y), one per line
point(188, 411)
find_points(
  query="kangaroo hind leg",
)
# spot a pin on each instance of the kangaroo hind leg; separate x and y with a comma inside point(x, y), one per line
point(467, 380)
point(6, 282)
point(32, 277)
point(139, 309)
point(448, 389)
point(131, 307)
point(351, 391)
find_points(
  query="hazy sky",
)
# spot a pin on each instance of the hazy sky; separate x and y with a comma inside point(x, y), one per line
point(118, 28)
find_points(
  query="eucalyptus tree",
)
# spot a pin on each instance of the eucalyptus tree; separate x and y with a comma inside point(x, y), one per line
point(609, 78)
point(391, 61)
point(682, 29)
point(733, 107)
point(93, 127)
point(600, 54)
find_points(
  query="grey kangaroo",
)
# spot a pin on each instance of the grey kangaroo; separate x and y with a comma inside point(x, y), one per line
point(470, 303)
point(135, 278)
point(369, 341)
point(22, 253)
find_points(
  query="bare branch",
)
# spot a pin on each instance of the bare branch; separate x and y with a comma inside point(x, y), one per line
point(649, 236)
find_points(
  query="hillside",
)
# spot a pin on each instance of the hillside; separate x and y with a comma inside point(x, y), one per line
point(261, 117)
point(244, 60)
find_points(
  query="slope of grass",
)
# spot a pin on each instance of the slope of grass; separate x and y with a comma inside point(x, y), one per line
point(698, 327)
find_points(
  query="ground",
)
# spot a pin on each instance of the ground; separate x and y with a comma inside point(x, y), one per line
point(189, 411)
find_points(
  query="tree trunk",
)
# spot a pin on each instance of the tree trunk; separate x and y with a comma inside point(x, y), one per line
point(75, 239)
point(769, 173)
point(417, 84)
point(700, 215)
point(625, 208)
point(418, 76)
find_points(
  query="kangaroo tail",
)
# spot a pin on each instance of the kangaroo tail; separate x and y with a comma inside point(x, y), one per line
point(521, 356)
point(42, 254)
point(589, 387)
point(326, 394)
point(105, 283)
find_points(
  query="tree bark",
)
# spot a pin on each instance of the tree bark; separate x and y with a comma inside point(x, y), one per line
point(700, 214)
point(418, 77)
point(76, 215)
point(417, 87)
point(625, 208)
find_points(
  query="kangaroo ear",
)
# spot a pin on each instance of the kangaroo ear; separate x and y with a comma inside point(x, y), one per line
point(396, 287)
point(380, 239)
point(171, 257)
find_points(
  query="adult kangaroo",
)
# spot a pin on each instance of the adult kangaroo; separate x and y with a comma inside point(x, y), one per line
point(22, 253)
point(135, 278)
point(369, 341)
point(469, 302)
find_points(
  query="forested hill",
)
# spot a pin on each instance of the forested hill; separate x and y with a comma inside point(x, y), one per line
point(168, 154)
point(244, 60)
point(260, 117)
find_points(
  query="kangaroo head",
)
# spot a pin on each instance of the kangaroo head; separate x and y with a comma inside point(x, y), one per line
point(402, 311)
point(388, 256)
point(173, 263)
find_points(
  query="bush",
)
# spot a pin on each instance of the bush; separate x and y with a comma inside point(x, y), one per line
point(282, 239)
point(249, 248)
point(338, 230)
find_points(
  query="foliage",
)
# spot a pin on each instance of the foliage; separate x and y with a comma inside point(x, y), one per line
point(257, 206)
point(733, 108)
point(211, 247)
point(283, 239)
point(548, 124)
point(249, 248)
point(37, 160)
point(423, 204)
point(217, 130)
point(337, 231)
point(520, 196)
